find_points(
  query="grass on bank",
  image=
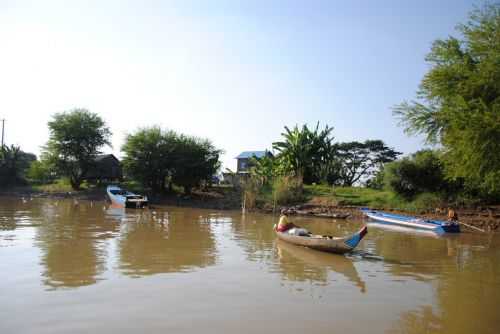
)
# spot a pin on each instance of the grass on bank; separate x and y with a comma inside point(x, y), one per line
point(61, 185)
point(285, 193)
point(379, 199)
point(325, 195)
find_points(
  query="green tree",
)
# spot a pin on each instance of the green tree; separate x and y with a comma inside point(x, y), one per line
point(302, 152)
point(76, 137)
point(458, 103)
point(359, 160)
point(149, 155)
point(157, 158)
point(195, 160)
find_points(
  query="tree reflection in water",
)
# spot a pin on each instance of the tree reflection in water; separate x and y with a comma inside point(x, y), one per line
point(72, 240)
point(166, 242)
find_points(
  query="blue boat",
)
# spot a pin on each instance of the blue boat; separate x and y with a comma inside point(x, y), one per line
point(123, 198)
point(436, 226)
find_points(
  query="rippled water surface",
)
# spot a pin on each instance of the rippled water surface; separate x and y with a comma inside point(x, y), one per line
point(85, 267)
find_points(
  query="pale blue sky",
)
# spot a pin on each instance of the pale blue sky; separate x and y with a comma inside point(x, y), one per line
point(232, 71)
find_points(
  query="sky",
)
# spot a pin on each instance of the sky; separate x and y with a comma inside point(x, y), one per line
point(235, 72)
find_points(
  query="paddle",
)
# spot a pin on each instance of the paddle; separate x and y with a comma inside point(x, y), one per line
point(473, 227)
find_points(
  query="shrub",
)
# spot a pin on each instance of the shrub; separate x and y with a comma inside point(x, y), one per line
point(419, 173)
point(40, 172)
point(288, 190)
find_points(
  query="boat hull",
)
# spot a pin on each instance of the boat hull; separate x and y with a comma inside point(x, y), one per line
point(324, 243)
point(436, 226)
point(124, 199)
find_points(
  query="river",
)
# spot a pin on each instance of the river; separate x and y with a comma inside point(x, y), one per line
point(85, 267)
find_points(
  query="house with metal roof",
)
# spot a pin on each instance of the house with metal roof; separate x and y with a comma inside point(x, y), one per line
point(244, 162)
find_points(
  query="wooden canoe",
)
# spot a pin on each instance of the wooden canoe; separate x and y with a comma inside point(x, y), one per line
point(334, 215)
point(339, 245)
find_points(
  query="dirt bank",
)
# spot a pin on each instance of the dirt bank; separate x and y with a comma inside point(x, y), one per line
point(485, 218)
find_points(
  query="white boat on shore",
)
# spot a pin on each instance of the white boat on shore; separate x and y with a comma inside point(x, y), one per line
point(123, 198)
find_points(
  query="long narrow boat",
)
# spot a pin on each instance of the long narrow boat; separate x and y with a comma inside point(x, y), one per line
point(436, 226)
point(123, 198)
point(325, 243)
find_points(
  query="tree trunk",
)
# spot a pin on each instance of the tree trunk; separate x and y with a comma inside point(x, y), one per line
point(75, 182)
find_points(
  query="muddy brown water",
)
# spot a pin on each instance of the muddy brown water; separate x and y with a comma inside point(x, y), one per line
point(84, 267)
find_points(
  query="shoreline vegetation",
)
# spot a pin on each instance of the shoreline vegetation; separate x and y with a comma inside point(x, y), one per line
point(319, 201)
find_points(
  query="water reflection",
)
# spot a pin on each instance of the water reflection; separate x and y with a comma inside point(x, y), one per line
point(72, 240)
point(467, 296)
point(167, 242)
point(16, 213)
point(302, 264)
point(425, 257)
point(254, 234)
point(463, 269)
point(426, 284)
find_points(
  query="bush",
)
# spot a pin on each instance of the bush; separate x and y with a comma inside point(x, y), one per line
point(40, 172)
point(419, 173)
point(288, 190)
point(427, 201)
point(251, 188)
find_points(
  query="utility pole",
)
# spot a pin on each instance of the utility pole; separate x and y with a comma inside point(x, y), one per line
point(3, 129)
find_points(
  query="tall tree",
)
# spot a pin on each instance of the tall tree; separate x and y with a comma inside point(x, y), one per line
point(76, 137)
point(458, 103)
point(360, 160)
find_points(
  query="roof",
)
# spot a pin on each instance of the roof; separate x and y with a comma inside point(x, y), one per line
point(104, 156)
point(249, 154)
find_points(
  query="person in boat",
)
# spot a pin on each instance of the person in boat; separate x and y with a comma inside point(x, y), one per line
point(284, 225)
point(452, 216)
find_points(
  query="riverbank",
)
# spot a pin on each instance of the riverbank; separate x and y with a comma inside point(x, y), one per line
point(344, 204)
point(217, 198)
point(321, 200)
point(484, 218)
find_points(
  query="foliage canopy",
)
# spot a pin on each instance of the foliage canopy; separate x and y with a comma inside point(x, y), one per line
point(13, 164)
point(302, 151)
point(458, 103)
point(157, 158)
point(76, 137)
point(359, 160)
